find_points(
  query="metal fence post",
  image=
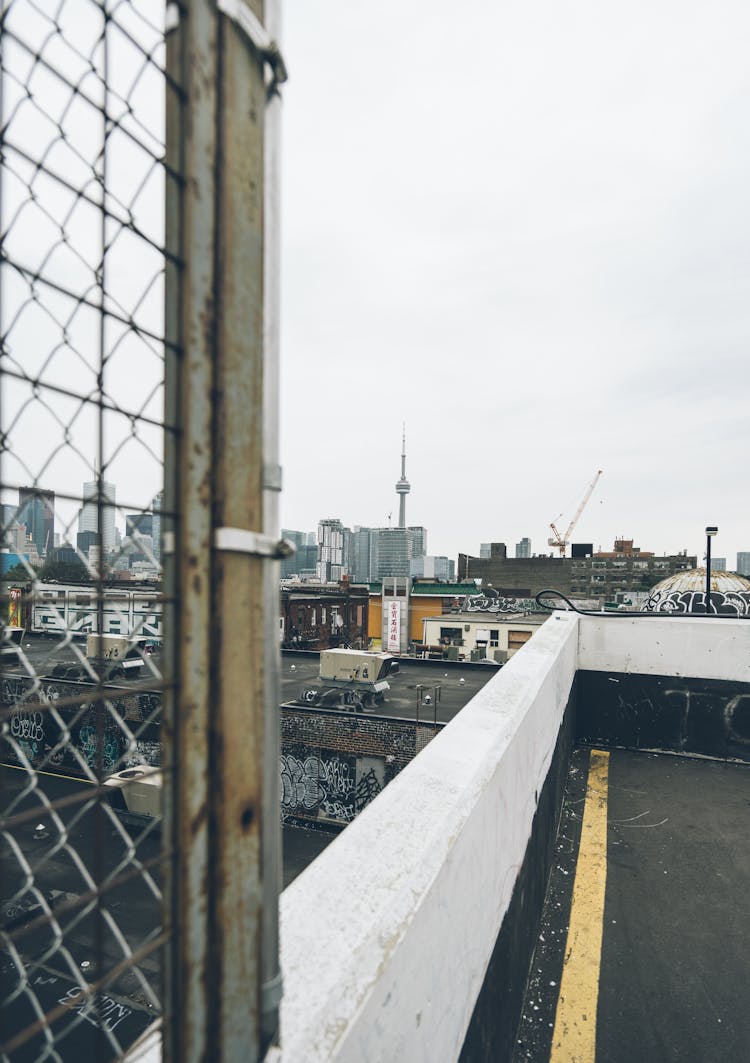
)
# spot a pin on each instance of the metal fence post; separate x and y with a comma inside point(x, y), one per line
point(225, 826)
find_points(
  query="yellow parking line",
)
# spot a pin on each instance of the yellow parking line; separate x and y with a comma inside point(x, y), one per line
point(52, 774)
point(574, 1037)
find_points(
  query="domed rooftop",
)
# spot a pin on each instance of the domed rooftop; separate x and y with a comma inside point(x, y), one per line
point(685, 592)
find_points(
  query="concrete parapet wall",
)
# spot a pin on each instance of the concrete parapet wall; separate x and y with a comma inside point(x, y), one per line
point(694, 647)
point(402, 912)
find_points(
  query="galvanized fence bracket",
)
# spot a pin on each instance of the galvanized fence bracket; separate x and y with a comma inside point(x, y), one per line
point(240, 541)
point(241, 14)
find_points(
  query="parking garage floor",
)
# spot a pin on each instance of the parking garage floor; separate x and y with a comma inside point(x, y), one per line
point(644, 945)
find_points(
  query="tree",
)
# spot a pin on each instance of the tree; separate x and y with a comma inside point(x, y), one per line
point(18, 574)
point(65, 572)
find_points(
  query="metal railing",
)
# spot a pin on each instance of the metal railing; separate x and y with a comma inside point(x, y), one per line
point(139, 837)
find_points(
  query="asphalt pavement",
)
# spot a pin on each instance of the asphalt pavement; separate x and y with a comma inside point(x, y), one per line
point(670, 982)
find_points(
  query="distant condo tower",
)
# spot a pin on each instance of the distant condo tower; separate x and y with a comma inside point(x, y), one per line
point(403, 487)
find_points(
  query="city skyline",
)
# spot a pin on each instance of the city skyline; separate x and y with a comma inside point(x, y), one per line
point(540, 279)
point(468, 544)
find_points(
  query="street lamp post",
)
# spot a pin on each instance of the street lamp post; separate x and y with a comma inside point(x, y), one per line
point(711, 530)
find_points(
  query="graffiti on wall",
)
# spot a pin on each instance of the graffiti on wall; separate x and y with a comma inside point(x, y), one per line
point(730, 714)
point(704, 716)
point(101, 739)
point(328, 785)
point(480, 603)
point(721, 603)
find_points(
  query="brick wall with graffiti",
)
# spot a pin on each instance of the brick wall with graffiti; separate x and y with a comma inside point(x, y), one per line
point(45, 726)
point(333, 764)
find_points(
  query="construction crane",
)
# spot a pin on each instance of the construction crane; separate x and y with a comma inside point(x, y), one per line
point(561, 541)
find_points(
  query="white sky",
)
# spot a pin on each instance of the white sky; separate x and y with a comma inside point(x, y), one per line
point(524, 229)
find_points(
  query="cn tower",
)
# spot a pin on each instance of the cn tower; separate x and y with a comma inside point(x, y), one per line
point(403, 487)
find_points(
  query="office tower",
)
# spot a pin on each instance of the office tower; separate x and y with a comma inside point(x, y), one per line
point(36, 509)
point(99, 500)
point(523, 549)
point(433, 567)
point(330, 566)
point(156, 530)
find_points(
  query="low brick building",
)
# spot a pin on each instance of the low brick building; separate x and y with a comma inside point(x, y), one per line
point(602, 576)
point(333, 763)
point(321, 616)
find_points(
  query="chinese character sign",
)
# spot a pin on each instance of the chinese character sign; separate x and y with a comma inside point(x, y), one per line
point(394, 626)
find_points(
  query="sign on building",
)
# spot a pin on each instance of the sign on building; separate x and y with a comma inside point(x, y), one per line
point(394, 626)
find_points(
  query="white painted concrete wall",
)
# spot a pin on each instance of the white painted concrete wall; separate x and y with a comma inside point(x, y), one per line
point(697, 648)
point(386, 937)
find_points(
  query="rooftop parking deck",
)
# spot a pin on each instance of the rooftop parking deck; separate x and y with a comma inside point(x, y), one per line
point(667, 978)
point(430, 961)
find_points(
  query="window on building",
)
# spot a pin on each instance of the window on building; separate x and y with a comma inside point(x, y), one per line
point(516, 639)
point(494, 636)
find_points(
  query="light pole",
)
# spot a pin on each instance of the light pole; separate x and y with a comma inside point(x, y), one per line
point(711, 530)
point(428, 699)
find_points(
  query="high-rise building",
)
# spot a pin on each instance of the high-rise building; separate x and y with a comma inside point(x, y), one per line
point(395, 549)
point(363, 554)
point(485, 550)
point(330, 550)
point(305, 558)
point(718, 564)
point(156, 507)
point(433, 567)
point(743, 563)
point(36, 509)
point(523, 549)
point(393, 552)
point(403, 487)
point(13, 535)
point(140, 522)
point(99, 499)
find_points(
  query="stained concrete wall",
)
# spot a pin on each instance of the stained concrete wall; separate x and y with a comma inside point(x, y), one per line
point(403, 912)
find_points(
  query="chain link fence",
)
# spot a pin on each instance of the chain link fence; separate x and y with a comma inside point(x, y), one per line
point(82, 377)
point(139, 736)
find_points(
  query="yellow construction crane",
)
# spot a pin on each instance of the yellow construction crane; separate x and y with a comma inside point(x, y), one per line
point(561, 541)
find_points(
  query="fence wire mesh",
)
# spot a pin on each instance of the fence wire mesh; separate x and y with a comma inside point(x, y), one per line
point(82, 372)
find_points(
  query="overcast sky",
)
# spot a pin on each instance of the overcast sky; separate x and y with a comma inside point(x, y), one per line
point(523, 229)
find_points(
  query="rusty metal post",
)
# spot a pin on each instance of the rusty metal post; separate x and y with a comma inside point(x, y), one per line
point(271, 987)
point(223, 738)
